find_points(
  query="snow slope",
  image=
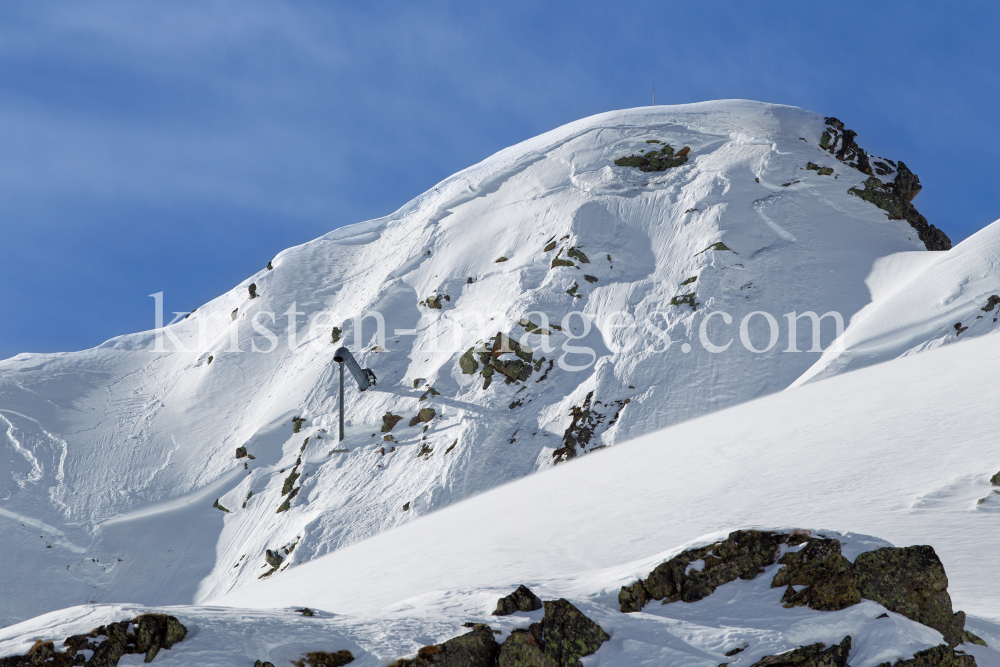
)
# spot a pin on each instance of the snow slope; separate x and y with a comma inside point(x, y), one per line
point(905, 462)
point(116, 455)
point(921, 301)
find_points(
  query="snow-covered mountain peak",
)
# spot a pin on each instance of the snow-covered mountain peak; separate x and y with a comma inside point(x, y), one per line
point(613, 276)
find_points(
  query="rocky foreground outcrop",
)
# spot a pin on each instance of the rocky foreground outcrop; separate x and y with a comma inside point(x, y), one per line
point(560, 639)
point(910, 580)
point(105, 645)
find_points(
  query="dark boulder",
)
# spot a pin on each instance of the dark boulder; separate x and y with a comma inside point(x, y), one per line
point(520, 600)
point(911, 581)
point(814, 655)
point(820, 567)
point(939, 656)
point(473, 649)
point(563, 636)
point(424, 416)
point(145, 634)
point(273, 558)
point(742, 555)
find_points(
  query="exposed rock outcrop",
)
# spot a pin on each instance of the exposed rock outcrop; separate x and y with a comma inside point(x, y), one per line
point(560, 639)
point(828, 577)
point(144, 635)
point(520, 600)
point(895, 197)
point(563, 636)
point(814, 655)
point(909, 580)
point(696, 573)
point(473, 649)
point(424, 416)
point(654, 160)
point(938, 656)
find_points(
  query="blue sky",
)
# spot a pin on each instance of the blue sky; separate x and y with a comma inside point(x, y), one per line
point(178, 146)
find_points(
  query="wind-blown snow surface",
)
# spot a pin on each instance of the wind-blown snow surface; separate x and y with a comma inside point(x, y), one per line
point(921, 301)
point(116, 454)
point(906, 463)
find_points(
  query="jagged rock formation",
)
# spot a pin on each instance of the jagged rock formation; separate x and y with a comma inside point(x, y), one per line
point(895, 197)
point(563, 636)
point(324, 659)
point(654, 160)
point(560, 639)
point(910, 580)
point(520, 600)
point(938, 656)
point(473, 649)
point(744, 554)
point(814, 655)
point(829, 579)
point(144, 635)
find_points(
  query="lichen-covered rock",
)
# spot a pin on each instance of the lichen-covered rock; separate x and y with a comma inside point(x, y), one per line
point(253, 290)
point(467, 362)
point(156, 631)
point(563, 636)
point(938, 656)
point(273, 558)
point(696, 573)
point(389, 421)
point(290, 481)
point(660, 160)
point(894, 198)
point(685, 300)
point(720, 246)
point(335, 334)
point(814, 655)
point(473, 649)
point(263, 664)
point(241, 452)
point(520, 600)
point(995, 479)
point(579, 432)
point(145, 634)
point(823, 171)
point(559, 261)
point(217, 506)
point(911, 581)
point(287, 505)
point(324, 659)
point(820, 567)
point(895, 201)
point(424, 416)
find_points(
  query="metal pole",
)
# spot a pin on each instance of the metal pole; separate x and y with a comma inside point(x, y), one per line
point(341, 364)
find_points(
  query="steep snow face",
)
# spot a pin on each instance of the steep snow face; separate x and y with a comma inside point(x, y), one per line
point(611, 280)
point(921, 301)
point(910, 463)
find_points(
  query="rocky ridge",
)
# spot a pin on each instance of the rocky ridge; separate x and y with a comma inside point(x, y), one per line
point(909, 580)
